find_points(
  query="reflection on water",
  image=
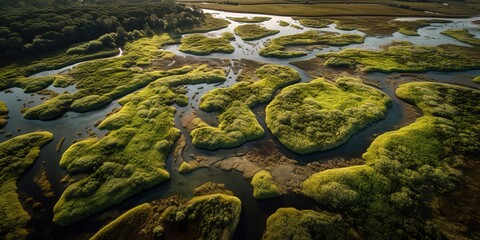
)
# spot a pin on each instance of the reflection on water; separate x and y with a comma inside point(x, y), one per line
point(254, 213)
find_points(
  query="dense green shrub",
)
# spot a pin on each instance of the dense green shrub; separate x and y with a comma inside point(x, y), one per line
point(317, 116)
point(263, 186)
point(199, 44)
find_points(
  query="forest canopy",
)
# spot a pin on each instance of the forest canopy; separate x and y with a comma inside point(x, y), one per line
point(31, 30)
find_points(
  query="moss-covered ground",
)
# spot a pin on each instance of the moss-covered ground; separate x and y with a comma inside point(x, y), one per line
point(253, 32)
point(16, 155)
point(462, 35)
point(132, 157)
point(264, 186)
point(237, 122)
point(199, 44)
point(389, 197)
point(314, 23)
point(317, 116)
point(290, 223)
point(283, 23)
point(3, 114)
point(249, 20)
point(406, 57)
point(210, 24)
point(16, 75)
point(476, 79)
point(277, 46)
point(213, 216)
point(100, 82)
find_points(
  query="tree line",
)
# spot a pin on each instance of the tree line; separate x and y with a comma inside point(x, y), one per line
point(32, 30)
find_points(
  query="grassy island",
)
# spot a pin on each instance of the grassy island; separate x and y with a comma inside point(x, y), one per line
point(107, 79)
point(237, 122)
point(277, 46)
point(132, 157)
point(391, 196)
point(263, 186)
point(290, 223)
point(16, 155)
point(406, 57)
point(249, 20)
point(317, 116)
point(199, 44)
point(214, 216)
point(462, 35)
point(250, 32)
point(3, 113)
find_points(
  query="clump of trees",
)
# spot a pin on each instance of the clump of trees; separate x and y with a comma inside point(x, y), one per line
point(30, 30)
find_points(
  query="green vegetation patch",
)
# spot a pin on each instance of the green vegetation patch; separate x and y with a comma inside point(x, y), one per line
point(406, 57)
point(263, 186)
point(132, 157)
point(249, 20)
point(3, 114)
point(411, 27)
point(16, 155)
point(462, 35)
point(476, 79)
point(185, 167)
point(317, 116)
point(387, 196)
point(253, 32)
point(212, 216)
point(199, 44)
point(283, 23)
point(238, 124)
point(108, 79)
point(290, 223)
point(277, 46)
point(315, 22)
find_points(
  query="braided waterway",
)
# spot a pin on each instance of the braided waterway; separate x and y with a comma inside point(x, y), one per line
point(74, 126)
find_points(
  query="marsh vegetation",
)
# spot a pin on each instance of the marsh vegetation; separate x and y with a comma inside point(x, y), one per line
point(324, 146)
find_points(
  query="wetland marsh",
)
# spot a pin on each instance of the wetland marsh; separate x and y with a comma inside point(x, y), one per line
point(249, 126)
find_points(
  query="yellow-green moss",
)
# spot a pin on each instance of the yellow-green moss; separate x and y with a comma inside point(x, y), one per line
point(317, 116)
point(290, 223)
point(263, 186)
point(462, 35)
point(476, 79)
point(276, 47)
point(238, 124)
point(249, 20)
point(199, 44)
point(253, 32)
point(132, 157)
point(315, 22)
point(210, 24)
point(185, 167)
point(212, 216)
point(3, 113)
point(108, 79)
point(283, 23)
point(405, 164)
point(406, 57)
point(16, 155)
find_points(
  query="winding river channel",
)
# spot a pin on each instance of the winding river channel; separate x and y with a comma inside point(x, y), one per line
point(254, 213)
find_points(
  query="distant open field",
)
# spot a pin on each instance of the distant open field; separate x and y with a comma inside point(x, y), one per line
point(340, 8)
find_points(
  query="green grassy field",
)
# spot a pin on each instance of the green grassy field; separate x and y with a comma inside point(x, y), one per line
point(318, 116)
point(199, 44)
